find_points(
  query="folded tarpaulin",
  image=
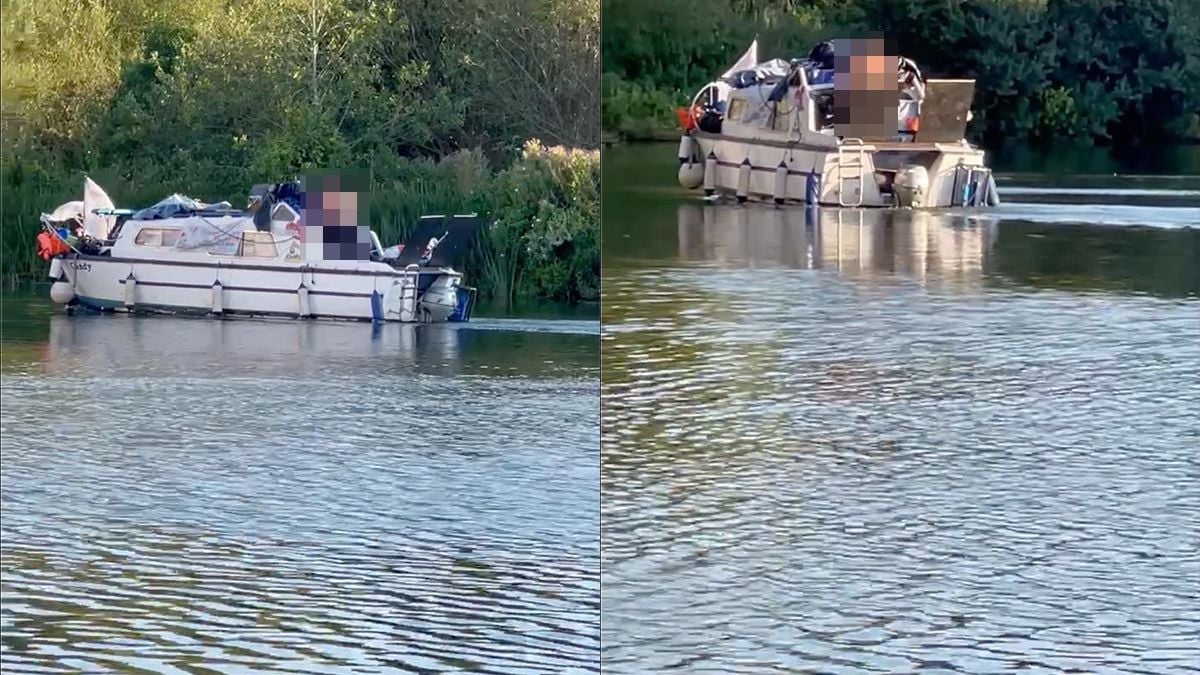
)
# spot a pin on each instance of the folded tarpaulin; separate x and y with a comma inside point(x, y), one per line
point(761, 72)
point(178, 205)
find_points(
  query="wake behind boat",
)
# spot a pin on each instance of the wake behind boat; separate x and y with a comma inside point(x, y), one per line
point(770, 130)
point(184, 256)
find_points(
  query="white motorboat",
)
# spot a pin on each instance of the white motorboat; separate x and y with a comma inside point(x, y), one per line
point(182, 256)
point(766, 130)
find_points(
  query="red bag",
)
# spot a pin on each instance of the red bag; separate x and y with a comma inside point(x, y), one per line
point(49, 246)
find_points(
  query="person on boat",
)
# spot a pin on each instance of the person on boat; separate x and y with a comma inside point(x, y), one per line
point(912, 85)
point(912, 93)
point(823, 55)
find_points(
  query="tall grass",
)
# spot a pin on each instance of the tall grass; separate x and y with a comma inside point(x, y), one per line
point(27, 192)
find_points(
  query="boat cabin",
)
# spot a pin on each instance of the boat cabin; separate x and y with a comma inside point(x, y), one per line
point(804, 98)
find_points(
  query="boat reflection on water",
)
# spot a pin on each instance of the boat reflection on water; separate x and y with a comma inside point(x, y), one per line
point(955, 249)
point(168, 346)
point(857, 243)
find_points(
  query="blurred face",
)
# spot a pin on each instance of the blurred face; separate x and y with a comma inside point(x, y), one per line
point(338, 208)
point(335, 217)
point(866, 89)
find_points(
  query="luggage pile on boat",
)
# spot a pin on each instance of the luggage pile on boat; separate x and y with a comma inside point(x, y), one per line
point(776, 75)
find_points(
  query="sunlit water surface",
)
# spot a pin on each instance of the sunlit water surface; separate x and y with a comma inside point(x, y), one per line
point(189, 495)
point(901, 442)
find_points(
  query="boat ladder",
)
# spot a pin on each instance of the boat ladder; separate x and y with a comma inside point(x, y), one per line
point(851, 157)
point(408, 293)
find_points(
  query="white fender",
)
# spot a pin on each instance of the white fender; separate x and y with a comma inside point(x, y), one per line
point(710, 174)
point(691, 175)
point(743, 188)
point(781, 174)
point(303, 301)
point(218, 297)
point(130, 290)
point(685, 149)
point(61, 292)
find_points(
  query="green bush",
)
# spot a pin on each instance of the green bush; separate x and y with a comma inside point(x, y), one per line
point(544, 242)
point(636, 111)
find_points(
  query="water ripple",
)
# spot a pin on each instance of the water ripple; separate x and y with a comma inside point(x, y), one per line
point(187, 496)
point(829, 464)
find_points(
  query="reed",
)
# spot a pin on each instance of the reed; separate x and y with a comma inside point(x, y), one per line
point(27, 192)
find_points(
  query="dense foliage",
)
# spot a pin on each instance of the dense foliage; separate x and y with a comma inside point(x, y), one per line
point(207, 97)
point(1120, 71)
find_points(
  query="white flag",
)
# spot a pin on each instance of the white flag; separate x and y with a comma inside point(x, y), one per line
point(94, 197)
point(748, 60)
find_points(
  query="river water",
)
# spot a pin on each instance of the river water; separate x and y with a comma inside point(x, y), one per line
point(188, 495)
point(901, 442)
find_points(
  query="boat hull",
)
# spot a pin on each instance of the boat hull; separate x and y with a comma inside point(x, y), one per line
point(844, 174)
point(371, 292)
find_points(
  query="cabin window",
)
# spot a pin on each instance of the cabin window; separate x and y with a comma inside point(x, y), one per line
point(258, 245)
point(736, 108)
point(157, 237)
point(148, 236)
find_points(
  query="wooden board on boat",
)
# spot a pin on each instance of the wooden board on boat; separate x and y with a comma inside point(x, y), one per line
point(944, 110)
